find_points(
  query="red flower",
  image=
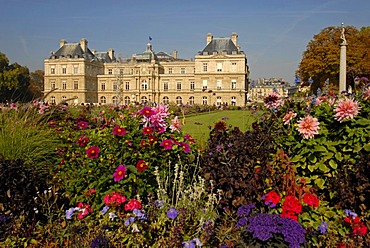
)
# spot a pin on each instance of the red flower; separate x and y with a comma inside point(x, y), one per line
point(93, 152)
point(166, 144)
point(152, 139)
point(360, 229)
point(119, 131)
point(82, 140)
point(83, 124)
point(141, 165)
point(147, 130)
point(291, 206)
point(84, 210)
point(147, 112)
point(185, 146)
point(271, 199)
point(52, 123)
point(114, 199)
point(188, 137)
point(289, 214)
point(311, 200)
point(120, 173)
point(133, 204)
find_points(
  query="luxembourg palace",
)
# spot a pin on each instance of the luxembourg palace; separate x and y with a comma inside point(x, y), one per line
point(219, 74)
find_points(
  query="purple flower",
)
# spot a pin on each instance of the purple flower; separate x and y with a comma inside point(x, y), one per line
point(104, 210)
point(323, 228)
point(159, 203)
point(350, 213)
point(245, 209)
point(189, 244)
point(129, 221)
point(69, 213)
point(219, 148)
point(139, 214)
point(172, 213)
point(242, 222)
point(99, 241)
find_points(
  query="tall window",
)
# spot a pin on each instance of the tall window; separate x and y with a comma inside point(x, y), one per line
point(178, 100)
point(52, 99)
point(205, 67)
point(191, 100)
point(182, 70)
point(233, 66)
point(75, 69)
point(178, 85)
point(144, 85)
point(103, 100)
point(64, 98)
point(52, 85)
point(121, 71)
point(110, 71)
point(115, 100)
point(219, 84)
point(219, 67)
point(204, 87)
point(75, 85)
point(127, 85)
point(64, 85)
point(166, 100)
point(52, 69)
point(165, 86)
point(233, 84)
point(169, 70)
point(103, 86)
point(192, 85)
point(64, 69)
point(127, 100)
point(219, 101)
point(233, 100)
point(115, 86)
point(144, 100)
point(204, 100)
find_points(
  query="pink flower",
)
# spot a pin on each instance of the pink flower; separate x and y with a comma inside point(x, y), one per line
point(119, 131)
point(366, 94)
point(83, 124)
point(166, 144)
point(176, 125)
point(308, 127)
point(185, 146)
point(119, 173)
point(147, 112)
point(288, 117)
point(93, 152)
point(272, 100)
point(346, 109)
point(189, 138)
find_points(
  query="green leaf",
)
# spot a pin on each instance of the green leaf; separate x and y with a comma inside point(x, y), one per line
point(320, 183)
point(338, 156)
point(324, 168)
point(312, 167)
point(363, 122)
point(332, 194)
point(320, 149)
point(367, 147)
point(333, 164)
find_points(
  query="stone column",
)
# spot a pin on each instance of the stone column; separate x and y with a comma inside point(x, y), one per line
point(343, 63)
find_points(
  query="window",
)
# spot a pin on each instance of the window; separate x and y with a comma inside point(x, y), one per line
point(233, 84)
point(52, 85)
point(110, 71)
point(127, 100)
point(166, 100)
point(204, 87)
point(205, 67)
point(64, 98)
point(121, 71)
point(192, 85)
point(103, 100)
point(144, 85)
point(165, 86)
point(64, 69)
point(115, 86)
point(103, 86)
point(115, 100)
point(182, 70)
point(219, 101)
point(219, 67)
point(178, 100)
point(75, 85)
point(233, 101)
point(191, 100)
point(64, 85)
point(178, 86)
point(219, 84)
point(75, 69)
point(52, 69)
point(205, 101)
point(169, 70)
point(52, 99)
point(127, 85)
point(233, 63)
point(144, 100)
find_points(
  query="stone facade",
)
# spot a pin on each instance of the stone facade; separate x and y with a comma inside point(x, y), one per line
point(219, 74)
point(260, 88)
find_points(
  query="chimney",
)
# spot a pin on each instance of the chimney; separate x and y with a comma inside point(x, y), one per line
point(209, 38)
point(234, 39)
point(111, 54)
point(175, 54)
point(83, 44)
point(62, 43)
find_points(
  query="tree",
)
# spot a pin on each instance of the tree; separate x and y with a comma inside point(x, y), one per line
point(36, 83)
point(321, 59)
point(14, 81)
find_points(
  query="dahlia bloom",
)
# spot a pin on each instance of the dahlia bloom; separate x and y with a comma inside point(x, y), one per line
point(119, 131)
point(119, 173)
point(346, 109)
point(83, 125)
point(185, 146)
point(272, 100)
point(366, 93)
point(147, 130)
point(141, 165)
point(176, 125)
point(93, 152)
point(147, 112)
point(308, 127)
point(166, 144)
point(288, 117)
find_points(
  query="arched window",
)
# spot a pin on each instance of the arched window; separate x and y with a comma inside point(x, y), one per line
point(205, 101)
point(144, 85)
point(103, 100)
point(127, 100)
point(178, 100)
point(166, 100)
point(191, 100)
point(115, 100)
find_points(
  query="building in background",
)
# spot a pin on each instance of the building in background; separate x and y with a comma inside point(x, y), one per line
point(260, 88)
point(218, 75)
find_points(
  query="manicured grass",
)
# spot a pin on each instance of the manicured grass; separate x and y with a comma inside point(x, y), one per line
point(200, 125)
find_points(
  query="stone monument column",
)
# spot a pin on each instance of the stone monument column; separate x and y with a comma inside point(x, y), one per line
point(343, 62)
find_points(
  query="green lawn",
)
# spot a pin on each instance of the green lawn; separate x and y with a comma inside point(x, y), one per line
point(198, 125)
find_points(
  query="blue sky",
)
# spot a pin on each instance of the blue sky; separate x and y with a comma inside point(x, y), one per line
point(273, 33)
